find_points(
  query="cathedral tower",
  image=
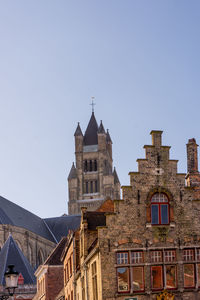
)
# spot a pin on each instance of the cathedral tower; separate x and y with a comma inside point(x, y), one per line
point(92, 179)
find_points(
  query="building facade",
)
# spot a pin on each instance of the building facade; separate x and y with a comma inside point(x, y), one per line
point(92, 178)
point(148, 247)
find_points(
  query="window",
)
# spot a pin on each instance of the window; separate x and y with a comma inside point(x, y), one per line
point(131, 277)
point(123, 279)
point(159, 209)
point(85, 166)
point(157, 277)
point(170, 255)
point(198, 254)
point(91, 166)
point(188, 254)
point(163, 275)
point(96, 186)
point(137, 257)
point(95, 165)
point(122, 258)
point(91, 187)
point(156, 256)
point(189, 275)
point(94, 281)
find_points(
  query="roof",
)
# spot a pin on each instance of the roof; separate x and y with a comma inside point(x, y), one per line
point(60, 226)
point(13, 214)
point(78, 130)
point(11, 255)
point(55, 257)
point(95, 219)
point(72, 173)
point(90, 137)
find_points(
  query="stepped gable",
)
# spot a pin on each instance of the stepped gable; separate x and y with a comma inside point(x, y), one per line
point(13, 214)
point(60, 226)
point(11, 255)
point(90, 137)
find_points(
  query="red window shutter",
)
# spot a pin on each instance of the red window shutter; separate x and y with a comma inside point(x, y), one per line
point(149, 214)
point(171, 217)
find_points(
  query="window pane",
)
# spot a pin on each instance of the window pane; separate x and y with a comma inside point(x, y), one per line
point(157, 280)
point(123, 279)
point(136, 257)
point(122, 258)
point(170, 255)
point(138, 279)
point(164, 214)
point(170, 277)
point(154, 214)
point(156, 256)
point(198, 254)
point(188, 254)
point(188, 275)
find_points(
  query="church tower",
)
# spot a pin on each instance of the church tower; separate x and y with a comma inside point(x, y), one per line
point(92, 178)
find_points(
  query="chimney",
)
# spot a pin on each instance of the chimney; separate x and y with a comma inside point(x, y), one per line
point(156, 137)
point(192, 156)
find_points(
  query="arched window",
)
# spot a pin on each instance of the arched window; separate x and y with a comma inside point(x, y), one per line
point(159, 209)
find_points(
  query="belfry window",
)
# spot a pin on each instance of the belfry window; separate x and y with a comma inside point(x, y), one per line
point(159, 209)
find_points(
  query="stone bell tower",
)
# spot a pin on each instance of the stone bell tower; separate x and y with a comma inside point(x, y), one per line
point(92, 178)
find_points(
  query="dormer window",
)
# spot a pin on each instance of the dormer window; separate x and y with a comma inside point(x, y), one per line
point(159, 209)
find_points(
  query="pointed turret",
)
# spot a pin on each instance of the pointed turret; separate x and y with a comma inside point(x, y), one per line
point(90, 137)
point(109, 143)
point(116, 178)
point(72, 173)
point(78, 130)
point(101, 128)
point(108, 138)
point(11, 255)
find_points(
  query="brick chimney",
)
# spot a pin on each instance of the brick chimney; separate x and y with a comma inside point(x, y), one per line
point(192, 156)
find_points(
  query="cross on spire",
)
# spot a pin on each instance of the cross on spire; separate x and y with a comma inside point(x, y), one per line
point(93, 104)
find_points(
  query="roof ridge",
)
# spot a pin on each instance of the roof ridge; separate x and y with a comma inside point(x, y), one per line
point(50, 230)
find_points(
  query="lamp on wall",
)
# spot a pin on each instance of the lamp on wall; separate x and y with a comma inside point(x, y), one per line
point(11, 278)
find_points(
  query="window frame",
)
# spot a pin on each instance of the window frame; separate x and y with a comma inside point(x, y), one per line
point(159, 204)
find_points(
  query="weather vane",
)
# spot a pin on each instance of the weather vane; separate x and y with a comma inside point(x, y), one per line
point(93, 104)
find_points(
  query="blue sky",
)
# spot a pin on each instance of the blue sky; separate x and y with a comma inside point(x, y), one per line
point(139, 58)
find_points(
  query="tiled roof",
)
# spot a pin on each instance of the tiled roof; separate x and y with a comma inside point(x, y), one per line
point(11, 255)
point(90, 137)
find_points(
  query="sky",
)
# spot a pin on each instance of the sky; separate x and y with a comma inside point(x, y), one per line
point(138, 58)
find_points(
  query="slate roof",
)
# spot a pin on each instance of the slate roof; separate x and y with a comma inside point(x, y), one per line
point(90, 137)
point(13, 214)
point(60, 226)
point(78, 130)
point(72, 173)
point(11, 254)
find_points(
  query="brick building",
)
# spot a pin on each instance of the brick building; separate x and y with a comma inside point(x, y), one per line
point(150, 241)
point(92, 178)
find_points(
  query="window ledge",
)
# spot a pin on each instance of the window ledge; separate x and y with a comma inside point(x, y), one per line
point(171, 224)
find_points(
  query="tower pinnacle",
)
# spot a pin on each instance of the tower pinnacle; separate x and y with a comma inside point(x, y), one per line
point(92, 104)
